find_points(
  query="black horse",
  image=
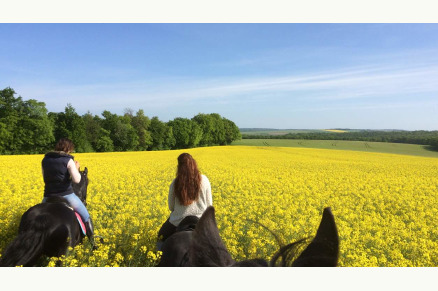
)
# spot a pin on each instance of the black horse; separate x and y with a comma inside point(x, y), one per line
point(47, 228)
point(204, 247)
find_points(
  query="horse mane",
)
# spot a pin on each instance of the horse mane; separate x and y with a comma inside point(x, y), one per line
point(322, 251)
point(287, 254)
point(277, 238)
point(80, 189)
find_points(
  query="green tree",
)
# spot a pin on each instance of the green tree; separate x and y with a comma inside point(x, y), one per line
point(141, 124)
point(213, 128)
point(125, 137)
point(69, 124)
point(122, 133)
point(104, 142)
point(27, 127)
point(158, 133)
point(206, 122)
point(9, 117)
point(162, 135)
point(59, 125)
point(232, 132)
point(24, 125)
point(5, 136)
point(187, 133)
point(36, 132)
point(169, 138)
point(219, 129)
point(92, 128)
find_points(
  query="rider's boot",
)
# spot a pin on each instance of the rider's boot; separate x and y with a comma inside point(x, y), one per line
point(90, 231)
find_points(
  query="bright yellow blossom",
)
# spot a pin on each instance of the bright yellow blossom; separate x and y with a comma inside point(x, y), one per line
point(385, 205)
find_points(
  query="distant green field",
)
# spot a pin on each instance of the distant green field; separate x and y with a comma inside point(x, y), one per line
point(380, 147)
point(261, 131)
point(278, 131)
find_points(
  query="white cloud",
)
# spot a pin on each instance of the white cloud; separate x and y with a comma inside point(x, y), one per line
point(363, 83)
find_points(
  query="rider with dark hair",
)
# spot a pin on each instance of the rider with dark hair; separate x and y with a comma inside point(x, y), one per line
point(59, 171)
point(189, 195)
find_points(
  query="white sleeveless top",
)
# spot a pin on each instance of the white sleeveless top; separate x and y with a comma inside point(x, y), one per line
point(196, 208)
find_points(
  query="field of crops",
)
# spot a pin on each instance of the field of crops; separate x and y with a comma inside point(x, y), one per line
point(385, 205)
point(365, 146)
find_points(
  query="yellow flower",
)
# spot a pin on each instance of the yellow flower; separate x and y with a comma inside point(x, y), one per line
point(384, 205)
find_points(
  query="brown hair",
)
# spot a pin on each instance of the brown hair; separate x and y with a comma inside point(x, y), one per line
point(65, 145)
point(188, 180)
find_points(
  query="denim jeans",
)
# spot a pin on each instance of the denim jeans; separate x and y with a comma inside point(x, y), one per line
point(77, 205)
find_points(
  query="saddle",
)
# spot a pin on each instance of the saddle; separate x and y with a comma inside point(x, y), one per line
point(58, 199)
point(187, 224)
point(62, 200)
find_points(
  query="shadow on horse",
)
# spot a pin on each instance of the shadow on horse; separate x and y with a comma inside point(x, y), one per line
point(202, 246)
point(47, 228)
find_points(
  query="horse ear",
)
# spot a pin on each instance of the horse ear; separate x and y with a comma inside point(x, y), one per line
point(207, 248)
point(86, 171)
point(323, 251)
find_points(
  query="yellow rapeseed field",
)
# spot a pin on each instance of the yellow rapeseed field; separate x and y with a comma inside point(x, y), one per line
point(335, 130)
point(385, 206)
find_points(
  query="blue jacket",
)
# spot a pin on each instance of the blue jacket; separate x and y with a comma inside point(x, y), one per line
point(55, 173)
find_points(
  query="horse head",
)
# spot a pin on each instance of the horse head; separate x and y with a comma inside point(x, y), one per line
point(208, 249)
point(80, 189)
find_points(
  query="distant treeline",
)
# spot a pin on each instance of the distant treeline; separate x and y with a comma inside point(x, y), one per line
point(26, 127)
point(421, 137)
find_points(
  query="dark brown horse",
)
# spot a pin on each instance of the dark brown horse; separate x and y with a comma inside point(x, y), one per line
point(46, 229)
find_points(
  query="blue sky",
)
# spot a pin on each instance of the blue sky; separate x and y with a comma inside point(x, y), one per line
point(377, 76)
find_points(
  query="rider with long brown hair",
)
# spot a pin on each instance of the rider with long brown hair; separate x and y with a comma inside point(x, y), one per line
point(189, 195)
